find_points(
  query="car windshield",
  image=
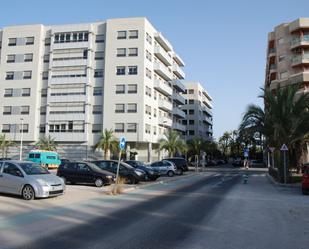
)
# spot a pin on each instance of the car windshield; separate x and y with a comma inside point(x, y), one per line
point(33, 169)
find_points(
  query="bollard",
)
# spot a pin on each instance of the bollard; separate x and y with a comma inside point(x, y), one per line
point(245, 177)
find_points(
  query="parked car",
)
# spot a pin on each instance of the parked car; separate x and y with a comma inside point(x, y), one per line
point(130, 174)
point(164, 167)
point(150, 173)
point(64, 161)
point(221, 162)
point(29, 180)
point(212, 163)
point(180, 163)
point(85, 172)
point(238, 163)
point(305, 181)
point(257, 164)
point(5, 159)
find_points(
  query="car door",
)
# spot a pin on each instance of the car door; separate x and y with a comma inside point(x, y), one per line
point(122, 170)
point(12, 178)
point(84, 173)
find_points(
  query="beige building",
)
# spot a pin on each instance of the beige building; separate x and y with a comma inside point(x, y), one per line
point(73, 81)
point(288, 55)
point(198, 109)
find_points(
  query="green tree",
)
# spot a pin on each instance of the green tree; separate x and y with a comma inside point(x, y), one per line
point(224, 142)
point(173, 143)
point(4, 145)
point(195, 146)
point(107, 143)
point(46, 143)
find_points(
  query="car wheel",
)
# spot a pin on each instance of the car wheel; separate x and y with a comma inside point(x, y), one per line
point(305, 191)
point(99, 182)
point(180, 171)
point(170, 173)
point(28, 193)
point(131, 179)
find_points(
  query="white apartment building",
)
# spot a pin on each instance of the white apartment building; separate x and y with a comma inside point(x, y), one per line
point(73, 81)
point(198, 109)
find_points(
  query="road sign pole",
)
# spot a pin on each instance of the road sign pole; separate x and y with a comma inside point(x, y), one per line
point(117, 174)
point(284, 163)
point(268, 159)
point(273, 159)
point(122, 144)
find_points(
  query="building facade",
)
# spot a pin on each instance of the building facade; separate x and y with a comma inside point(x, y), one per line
point(288, 55)
point(73, 81)
point(198, 109)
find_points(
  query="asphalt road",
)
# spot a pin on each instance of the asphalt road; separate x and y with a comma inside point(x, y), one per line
point(205, 211)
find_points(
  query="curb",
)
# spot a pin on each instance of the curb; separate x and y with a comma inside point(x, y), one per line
point(292, 185)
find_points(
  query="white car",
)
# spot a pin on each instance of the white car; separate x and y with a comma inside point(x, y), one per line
point(29, 180)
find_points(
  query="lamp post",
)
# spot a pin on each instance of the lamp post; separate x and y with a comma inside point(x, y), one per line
point(21, 139)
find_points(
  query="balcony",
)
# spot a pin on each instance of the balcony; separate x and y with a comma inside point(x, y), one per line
point(165, 122)
point(178, 112)
point(162, 87)
point(301, 23)
point(207, 110)
point(300, 42)
point(207, 120)
point(178, 85)
point(272, 68)
point(178, 71)
point(300, 60)
point(163, 42)
point(162, 71)
point(68, 63)
point(179, 61)
point(69, 136)
point(178, 127)
point(66, 116)
point(179, 99)
point(81, 44)
point(68, 80)
point(271, 52)
point(77, 97)
point(165, 105)
point(163, 55)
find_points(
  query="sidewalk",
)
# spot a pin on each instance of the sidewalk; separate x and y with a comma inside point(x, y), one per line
point(288, 185)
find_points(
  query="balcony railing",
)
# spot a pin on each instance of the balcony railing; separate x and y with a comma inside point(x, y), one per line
point(178, 71)
point(300, 59)
point(163, 55)
point(163, 87)
point(163, 71)
point(300, 41)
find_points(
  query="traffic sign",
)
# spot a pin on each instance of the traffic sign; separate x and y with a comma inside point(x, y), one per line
point(122, 143)
point(246, 152)
point(284, 147)
point(272, 149)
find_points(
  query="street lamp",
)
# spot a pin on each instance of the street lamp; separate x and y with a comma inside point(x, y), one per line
point(21, 139)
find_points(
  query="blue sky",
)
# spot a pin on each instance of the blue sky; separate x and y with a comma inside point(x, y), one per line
point(222, 42)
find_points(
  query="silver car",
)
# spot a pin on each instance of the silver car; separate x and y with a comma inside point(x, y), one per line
point(29, 180)
point(164, 167)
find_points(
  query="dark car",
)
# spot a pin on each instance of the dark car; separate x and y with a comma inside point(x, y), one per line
point(212, 163)
point(85, 172)
point(150, 173)
point(305, 181)
point(64, 161)
point(180, 163)
point(5, 159)
point(130, 174)
point(238, 163)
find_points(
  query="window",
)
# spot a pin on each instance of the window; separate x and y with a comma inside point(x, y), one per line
point(147, 128)
point(12, 41)
point(148, 38)
point(120, 89)
point(122, 35)
point(191, 132)
point(43, 110)
point(24, 128)
point(97, 91)
point(154, 112)
point(47, 41)
point(132, 70)
point(98, 73)
point(71, 37)
point(281, 57)
point(5, 128)
point(42, 128)
point(133, 34)
point(99, 55)
point(10, 58)
point(121, 52)
point(131, 127)
point(29, 40)
point(284, 75)
point(191, 112)
point(25, 110)
point(132, 108)
point(119, 127)
point(70, 126)
point(148, 91)
point(45, 75)
point(184, 122)
point(29, 57)
point(96, 128)
point(44, 92)
point(25, 92)
point(9, 76)
point(133, 51)
point(7, 110)
point(27, 75)
point(11, 169)
point(132, 88)
point(148, 55)
point(191, 91)
point(121, 70)
point(191, 122)
point(97, 109)
point(119, 108)
point(99, 38)
point(191, 101)
point(148, 73)
point(148, 109)
point(8, 92)
point(46, 58)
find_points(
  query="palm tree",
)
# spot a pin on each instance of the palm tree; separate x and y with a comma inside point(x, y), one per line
point(172, 143)
point(107, 143)
point(224, 142)
point(195, 146)
point(46, 143)
point(4, 145)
